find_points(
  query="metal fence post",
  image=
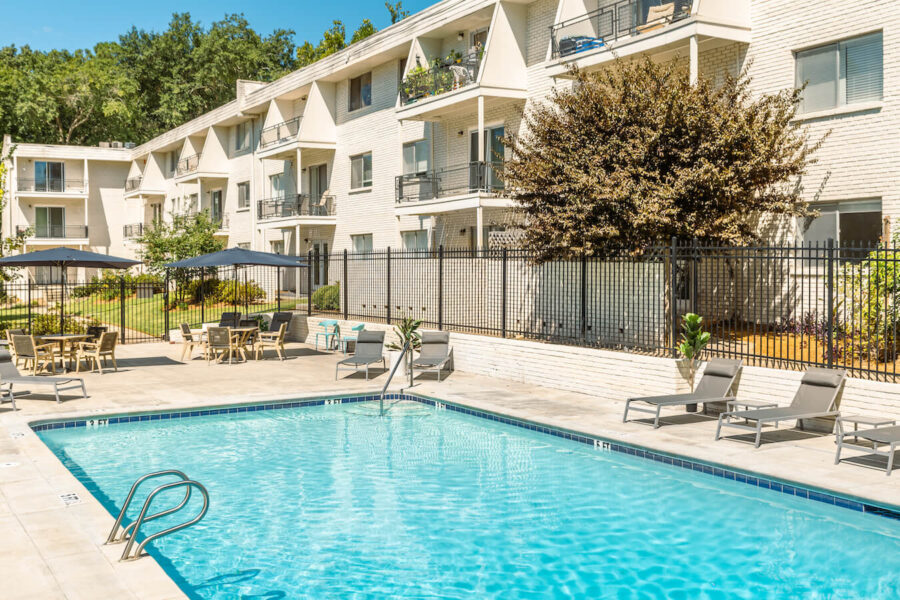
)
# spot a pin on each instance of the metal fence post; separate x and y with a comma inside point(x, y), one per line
point(309, 268)
point(346, 284)
point(503, 292)
point(278, 288)
point(122, 309)
point(583, 296)
point(387, 305)
point(829, 300)
point(440, 311)
point(166, 308)
point(673, 296)
point(202, 295)
point(30, 283)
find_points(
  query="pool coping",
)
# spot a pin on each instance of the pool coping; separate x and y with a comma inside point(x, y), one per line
point(602, 443)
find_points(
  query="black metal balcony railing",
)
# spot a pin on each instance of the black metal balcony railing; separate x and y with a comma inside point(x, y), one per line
point(280, 133)
point(221, 221)
point(187, 165)
point(300, 205)
point(55, 184)
point(614, 20)
point(132, 184)
point(421, 82)
point(475, 177)
point(56, 231)
point(133, 231)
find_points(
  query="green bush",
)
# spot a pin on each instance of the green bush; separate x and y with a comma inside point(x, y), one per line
point(150, 279)
point(48, 323)
point(229, 293)
point(327, 297)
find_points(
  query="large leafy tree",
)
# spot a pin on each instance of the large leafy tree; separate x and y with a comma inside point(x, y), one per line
point(635, 154)
point(185, 236)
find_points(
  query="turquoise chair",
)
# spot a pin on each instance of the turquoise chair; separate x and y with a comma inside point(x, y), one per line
point(345, 340)
point(330, 334)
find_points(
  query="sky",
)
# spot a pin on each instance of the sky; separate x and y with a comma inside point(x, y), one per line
point(73, 24)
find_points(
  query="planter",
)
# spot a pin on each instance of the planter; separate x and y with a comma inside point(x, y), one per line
point(393, 357)
point(684, 369)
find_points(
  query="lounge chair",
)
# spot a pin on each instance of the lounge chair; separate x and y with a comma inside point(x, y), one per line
point(188, 341)
point(95, 352)
point(369, 351)
point(715, 386)
point(229, 319)
point(10, 377)
point(889, 436)
point(816, 398)
point(271, 339)
point(39, 355)
point(435, 354)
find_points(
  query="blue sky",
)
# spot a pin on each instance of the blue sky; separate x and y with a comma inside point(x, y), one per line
point(81, 24)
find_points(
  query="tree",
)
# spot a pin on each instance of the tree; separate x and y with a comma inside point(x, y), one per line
point(184, 237)
point(12, 244)
point(635, 154)
point(365, 30)
point(396, 11)
point(333, 40)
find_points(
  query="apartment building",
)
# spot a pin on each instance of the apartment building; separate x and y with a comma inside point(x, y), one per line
point(396, 141)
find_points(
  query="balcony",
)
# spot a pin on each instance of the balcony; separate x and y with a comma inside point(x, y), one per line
point(298, 206)
point(134, 230)
point(279, 134)
point(444, 76)
point(52, 186)
point(41, 234)
point(132, 184)
point(451, 188)
point(187, 166)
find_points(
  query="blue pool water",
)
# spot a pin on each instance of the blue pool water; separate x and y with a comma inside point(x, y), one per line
point(326, 502)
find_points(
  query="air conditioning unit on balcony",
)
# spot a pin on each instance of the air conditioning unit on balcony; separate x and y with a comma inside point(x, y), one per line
point(115, 144)
point(130, 145)
point(103, 144)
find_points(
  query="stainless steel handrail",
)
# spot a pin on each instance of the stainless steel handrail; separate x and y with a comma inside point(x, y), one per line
point(406, 347)
point(113, 538)
point(142, 518)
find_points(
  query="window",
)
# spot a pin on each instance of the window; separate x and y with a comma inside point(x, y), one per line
point(49, 176)
point(50, 222)
point(839, 74)
point(47, 275)
point(243, 192)
point(361, 171)
point(244, 245)
point(415, 240)
point(173, 161)
point(362, 243)
point(276, 186)
point(156, 213)
point(242, 136)
point(401, 69)
point(360, 92)
point(216, 205)
point(478, 38)
point(846, 223)
point(318, 181)
point(277, 246)
point(192, 204)
point(415, 157)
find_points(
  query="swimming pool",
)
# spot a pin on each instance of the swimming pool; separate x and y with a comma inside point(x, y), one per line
point(326, 502)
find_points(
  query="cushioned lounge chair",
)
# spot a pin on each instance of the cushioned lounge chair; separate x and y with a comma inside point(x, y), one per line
point(435, 354)
point(10, 378)
point(816, 398)
point(715, 386)
point(369, 351)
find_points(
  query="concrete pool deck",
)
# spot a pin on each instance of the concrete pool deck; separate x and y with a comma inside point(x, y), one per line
point(52, 550)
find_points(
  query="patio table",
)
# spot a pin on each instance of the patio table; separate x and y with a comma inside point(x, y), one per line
point(63, 339)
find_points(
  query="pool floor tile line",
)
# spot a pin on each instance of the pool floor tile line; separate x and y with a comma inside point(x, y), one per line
point(597, 442)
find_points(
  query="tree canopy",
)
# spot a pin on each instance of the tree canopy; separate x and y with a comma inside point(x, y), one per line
point(148, 82)
point(186, 236)
point(635, 154)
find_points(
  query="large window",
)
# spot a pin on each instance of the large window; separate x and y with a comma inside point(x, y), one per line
point(415, 240)
point(844, 73)
point(276, 186)
point(49, 176)
point(243, 193)
point(242, 136)
point(415, 157)
point(360, 91)
point(50, 222)
point(361, 171)
point(847, 223)
point(173, 161)
point(362, 243)
point(157, 213)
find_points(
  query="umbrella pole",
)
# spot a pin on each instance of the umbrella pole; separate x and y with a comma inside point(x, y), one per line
point(62, 302)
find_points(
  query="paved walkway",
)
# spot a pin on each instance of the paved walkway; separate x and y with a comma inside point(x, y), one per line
point(49, 550)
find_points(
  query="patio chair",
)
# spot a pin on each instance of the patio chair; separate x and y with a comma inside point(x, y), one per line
point(880, 436)
point(10, 377)
point(39, 355)
point(816, 398)
point(715, 386)
point(188, 341)
point(345, 340)
point(12, 348)
point(435, 354)
point(332, 329)
point(229, 319)
point(271, 339)
point(369, 351)
point(251, 339)
point(95, 331)
point(219, 343)
point(95, 352)
point(279, 318)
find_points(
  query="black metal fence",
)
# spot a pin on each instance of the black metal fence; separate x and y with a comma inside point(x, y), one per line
point(144, 309)
point(785, 307)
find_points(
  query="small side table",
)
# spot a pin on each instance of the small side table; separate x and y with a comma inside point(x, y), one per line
point(873, 422)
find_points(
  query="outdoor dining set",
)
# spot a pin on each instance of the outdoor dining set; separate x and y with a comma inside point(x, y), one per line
point(235, 337)
point(95, 348)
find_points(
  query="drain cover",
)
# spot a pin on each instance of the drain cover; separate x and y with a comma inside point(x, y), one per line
point(70, 498)
point(7, 465)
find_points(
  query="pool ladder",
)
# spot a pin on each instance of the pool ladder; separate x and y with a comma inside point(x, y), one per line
point(130, 532)
point(406, 348)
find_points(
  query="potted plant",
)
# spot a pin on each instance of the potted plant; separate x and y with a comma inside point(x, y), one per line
point(693, 341)
point(406, 331)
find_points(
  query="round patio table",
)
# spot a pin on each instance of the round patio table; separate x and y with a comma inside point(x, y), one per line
point(63, 339)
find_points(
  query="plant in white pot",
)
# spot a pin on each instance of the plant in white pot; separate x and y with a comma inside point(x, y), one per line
point(406, 331)
point(690, 346)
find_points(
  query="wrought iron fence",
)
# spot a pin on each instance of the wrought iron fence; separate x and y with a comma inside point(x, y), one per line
point(611, 21)
point(133, 230)
point(449, 181)
point(279, 133)
point(55, 231)
point(295, 206)
point(421, 82)
point(51, 184)
point(187, 165)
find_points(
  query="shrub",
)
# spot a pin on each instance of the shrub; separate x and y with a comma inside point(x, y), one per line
point(150, 279)
point(48, 323)
point(229, 293)
point(327, 297)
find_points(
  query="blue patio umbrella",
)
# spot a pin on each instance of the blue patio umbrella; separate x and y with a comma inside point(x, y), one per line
point(63, 258)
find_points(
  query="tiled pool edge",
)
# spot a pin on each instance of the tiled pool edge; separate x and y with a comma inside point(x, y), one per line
point(790, 488)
